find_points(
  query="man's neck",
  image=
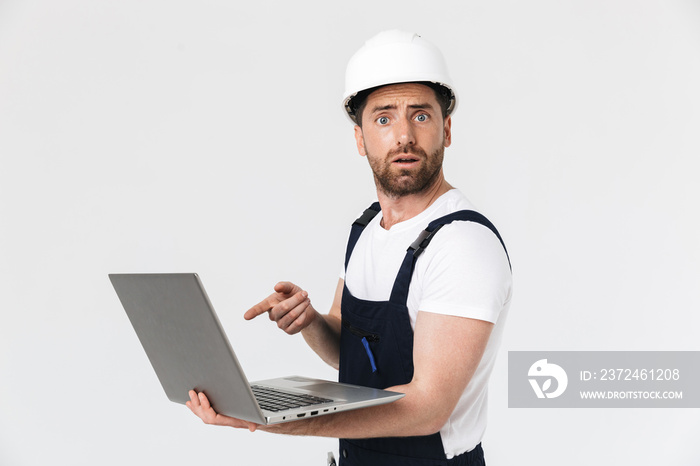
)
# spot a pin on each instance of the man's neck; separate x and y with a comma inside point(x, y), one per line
point(399, 209)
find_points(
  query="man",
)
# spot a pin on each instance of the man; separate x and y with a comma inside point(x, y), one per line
point(426, 322)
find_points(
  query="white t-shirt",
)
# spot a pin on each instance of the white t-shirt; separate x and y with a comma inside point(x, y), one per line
point(463, 272)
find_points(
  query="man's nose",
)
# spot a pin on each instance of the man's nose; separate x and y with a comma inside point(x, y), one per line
point(405, 134)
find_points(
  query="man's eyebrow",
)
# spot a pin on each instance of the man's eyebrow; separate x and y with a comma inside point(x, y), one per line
point(382, 108)
point(423, 106)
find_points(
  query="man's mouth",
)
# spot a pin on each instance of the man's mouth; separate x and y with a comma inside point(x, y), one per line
point(404, 159)
point(406, 156)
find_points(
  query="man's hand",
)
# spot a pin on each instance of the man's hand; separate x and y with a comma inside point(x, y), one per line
point(200, 406)
point(289, 306)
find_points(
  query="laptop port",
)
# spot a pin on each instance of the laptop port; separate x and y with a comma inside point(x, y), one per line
point(313, 413)
point(301, 415)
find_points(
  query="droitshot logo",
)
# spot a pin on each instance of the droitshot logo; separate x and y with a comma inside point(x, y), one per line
point(541, 375)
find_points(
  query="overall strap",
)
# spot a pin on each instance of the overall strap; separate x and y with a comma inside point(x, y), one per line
point(358, 226)
point(399, 294)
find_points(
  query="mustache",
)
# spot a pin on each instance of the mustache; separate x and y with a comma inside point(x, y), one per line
point(413, 150)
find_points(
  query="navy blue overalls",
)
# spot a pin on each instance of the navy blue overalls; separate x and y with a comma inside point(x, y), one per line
point(376, 350)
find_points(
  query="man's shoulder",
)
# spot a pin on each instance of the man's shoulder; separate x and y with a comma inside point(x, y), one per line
point(452, 201)
point(474, 236)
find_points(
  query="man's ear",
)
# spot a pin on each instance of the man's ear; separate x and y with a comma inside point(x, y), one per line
point(448, 130)
point(360, 141)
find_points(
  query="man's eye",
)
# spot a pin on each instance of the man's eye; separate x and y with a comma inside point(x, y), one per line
point(422, 117)
point(382, 120)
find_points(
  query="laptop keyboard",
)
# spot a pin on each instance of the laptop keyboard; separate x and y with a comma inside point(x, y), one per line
point(272, 399)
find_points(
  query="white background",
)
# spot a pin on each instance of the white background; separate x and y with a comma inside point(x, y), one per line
point(171, 136)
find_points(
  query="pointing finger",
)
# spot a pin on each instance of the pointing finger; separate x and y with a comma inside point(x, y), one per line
point(283, 291)
point(260, 308)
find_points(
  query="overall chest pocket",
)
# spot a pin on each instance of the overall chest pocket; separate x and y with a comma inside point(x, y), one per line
point(366, 338)
point(375, 352)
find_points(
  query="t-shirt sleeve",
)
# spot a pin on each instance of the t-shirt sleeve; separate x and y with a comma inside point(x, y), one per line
point(464, 272)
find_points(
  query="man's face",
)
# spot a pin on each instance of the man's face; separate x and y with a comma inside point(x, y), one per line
point(404, 137)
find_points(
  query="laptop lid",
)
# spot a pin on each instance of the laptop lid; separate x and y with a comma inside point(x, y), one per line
point(185, 343)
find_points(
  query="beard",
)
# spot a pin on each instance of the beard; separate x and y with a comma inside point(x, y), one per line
point(397, 182)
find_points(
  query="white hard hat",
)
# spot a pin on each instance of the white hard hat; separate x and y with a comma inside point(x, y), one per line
point(393, 57)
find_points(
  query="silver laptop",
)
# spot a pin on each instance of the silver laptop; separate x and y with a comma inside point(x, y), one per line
point(188, 349)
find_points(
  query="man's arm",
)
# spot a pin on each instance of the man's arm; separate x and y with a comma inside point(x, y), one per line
point(323, 334)
point(447, 351)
